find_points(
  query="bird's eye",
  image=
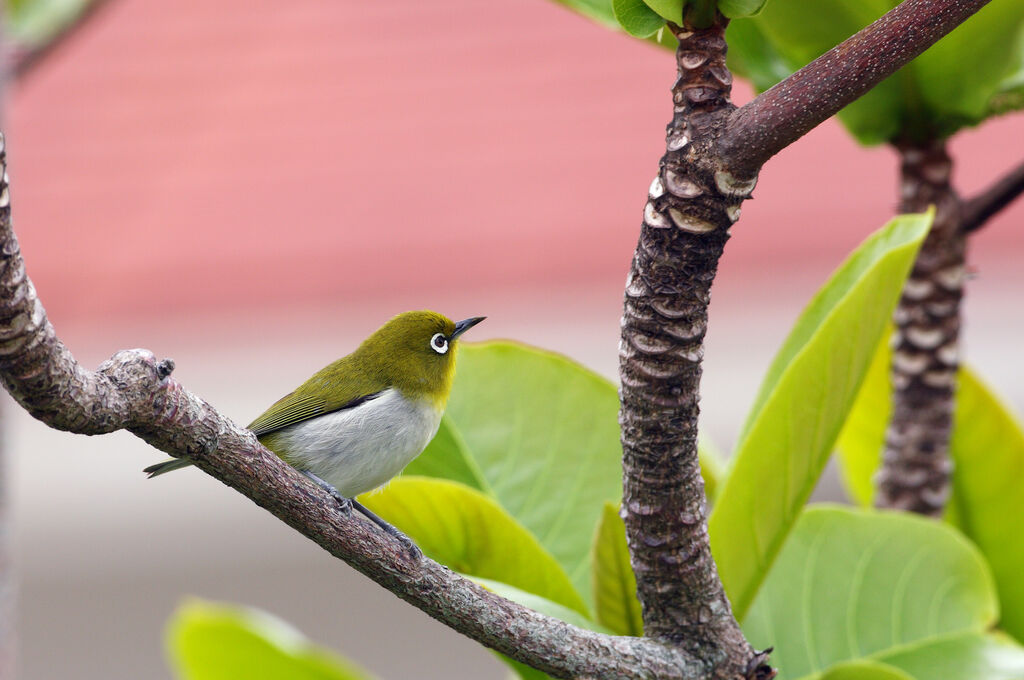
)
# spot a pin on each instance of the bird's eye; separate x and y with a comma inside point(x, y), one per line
point(439, 343)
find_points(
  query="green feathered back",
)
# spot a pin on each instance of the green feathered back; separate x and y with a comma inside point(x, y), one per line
point(397, 355)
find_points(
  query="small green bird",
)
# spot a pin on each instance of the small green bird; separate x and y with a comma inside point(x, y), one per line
point(360, 420)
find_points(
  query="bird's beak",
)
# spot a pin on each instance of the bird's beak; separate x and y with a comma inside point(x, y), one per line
point(464, 325)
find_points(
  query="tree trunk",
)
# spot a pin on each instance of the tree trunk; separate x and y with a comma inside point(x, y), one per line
point(915, 473)
point(686, 223)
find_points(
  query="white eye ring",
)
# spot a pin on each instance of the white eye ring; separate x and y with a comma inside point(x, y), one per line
point(439, 343)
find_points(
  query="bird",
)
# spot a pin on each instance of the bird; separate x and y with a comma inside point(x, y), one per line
point(357, 422)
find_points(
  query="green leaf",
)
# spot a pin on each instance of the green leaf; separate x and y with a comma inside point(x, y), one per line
point(738, 9)
point(856, 583)
point(964, 78)
point(863, 670)
point(863, 435)
point(803, 402)
point(987, 449)
point(34, 23)
point(968, 656)
point(599, 10)
point(208, 641)
point(988, 494)
point(669, 10)
point(712, 466)
point(615, 601)
point(636, 18)
point(752, 55)
point(1010, 95)
point(447, 457)
point(538, 604)
point(466, 530)
point(543, 431)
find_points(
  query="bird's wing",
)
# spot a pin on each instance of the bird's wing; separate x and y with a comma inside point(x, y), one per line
point(296, 408)
point(319, 395)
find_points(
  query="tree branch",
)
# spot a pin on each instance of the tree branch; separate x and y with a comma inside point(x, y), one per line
point(134, 391)
point(786, 112)
point(980, 209)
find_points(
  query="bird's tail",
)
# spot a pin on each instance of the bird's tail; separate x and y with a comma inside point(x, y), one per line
point(167, 466)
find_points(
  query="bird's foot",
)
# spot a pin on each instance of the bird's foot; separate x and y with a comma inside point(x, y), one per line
point(344, 504)
point(411, 549)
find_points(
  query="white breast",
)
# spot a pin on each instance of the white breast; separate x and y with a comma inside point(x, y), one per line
point(358, 449)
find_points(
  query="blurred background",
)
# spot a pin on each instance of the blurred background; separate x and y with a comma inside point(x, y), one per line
point(251, 187)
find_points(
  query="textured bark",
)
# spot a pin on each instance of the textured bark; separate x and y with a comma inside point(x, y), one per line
point(135, 391)
point(977, 211)
point(786, 112)
point(8, 587)
point(916, 467)
point(690, 207)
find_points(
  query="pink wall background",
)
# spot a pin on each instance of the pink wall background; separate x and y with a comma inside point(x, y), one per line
point(251, 154)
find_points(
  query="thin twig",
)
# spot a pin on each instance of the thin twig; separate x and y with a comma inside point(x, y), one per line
point(979, 210)
point(786, 112)
point(135, 392)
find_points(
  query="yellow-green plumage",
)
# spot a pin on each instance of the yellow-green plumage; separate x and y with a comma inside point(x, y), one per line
point(397, 355)
point(359, 420)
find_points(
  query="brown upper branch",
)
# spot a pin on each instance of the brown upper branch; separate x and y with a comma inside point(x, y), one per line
point(979, 210)
point(786, 112)
point(134, 391)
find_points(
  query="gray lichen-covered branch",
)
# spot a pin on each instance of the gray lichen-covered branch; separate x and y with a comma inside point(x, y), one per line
point(135, 391)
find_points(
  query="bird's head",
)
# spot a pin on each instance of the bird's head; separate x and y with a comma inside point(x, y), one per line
point(415, 352)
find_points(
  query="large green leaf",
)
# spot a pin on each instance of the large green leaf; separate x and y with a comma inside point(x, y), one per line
point(615, 601)
point(803, 402)
point(987, 449)
point(637, 18)
point(862, 670)
point(961, 80)
point(447, 457)
point(988, 489)
point(543, 432)
point(541, 604)
point(466, 530)
point(538, 604)
point(850, 584)
point(669, 10)
point(208, 641)
point(859, 446)
point(967, 656)
point(737, 9)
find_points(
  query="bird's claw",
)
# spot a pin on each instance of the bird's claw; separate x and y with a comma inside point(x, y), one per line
point(411, 548)
point(344, 504)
